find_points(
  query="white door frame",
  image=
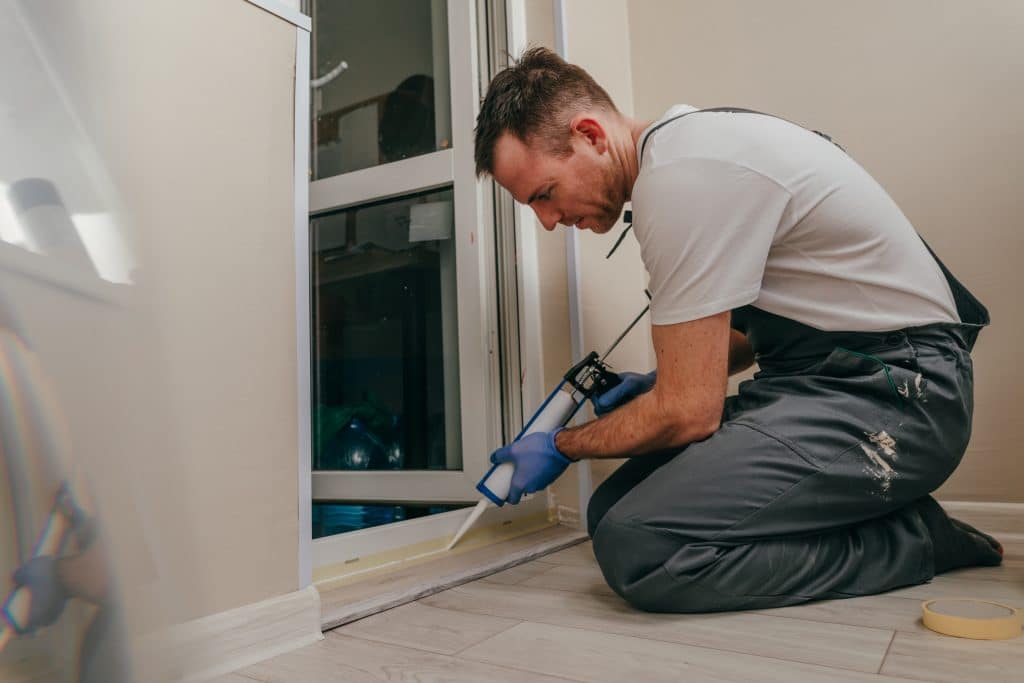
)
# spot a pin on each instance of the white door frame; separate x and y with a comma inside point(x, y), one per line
point(477, 319)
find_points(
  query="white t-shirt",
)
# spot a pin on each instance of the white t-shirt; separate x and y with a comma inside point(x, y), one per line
point(735, 208)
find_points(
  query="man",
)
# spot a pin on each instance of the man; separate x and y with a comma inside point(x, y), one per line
point(763, 240)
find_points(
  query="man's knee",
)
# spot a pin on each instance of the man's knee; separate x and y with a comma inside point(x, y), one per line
point(655, 571)
point(632, 559)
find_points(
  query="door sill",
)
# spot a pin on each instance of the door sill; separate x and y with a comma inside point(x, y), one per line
point(347, 599)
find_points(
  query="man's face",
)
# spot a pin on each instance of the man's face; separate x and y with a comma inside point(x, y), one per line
point(576, 190)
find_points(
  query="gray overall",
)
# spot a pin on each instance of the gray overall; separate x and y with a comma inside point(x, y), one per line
point(810, 487)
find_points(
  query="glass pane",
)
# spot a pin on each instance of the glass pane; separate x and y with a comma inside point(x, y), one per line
point(385, 373)
point(380, 82)
point(337, 518)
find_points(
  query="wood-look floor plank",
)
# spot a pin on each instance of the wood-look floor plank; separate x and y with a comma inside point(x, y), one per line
point(423, 627)
point(579, 578)
point(873, 611)
point(837, 645)
point(992, 519)
point(580, 554)
point(598, 657)
point(933, 657)
point(354, 660)
point(945, 586)
point(519, 573)
point(1010, 571)
point(233, 678)
point(1013, 545)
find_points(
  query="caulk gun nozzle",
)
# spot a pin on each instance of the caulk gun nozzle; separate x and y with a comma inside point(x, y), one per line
point(473, 516)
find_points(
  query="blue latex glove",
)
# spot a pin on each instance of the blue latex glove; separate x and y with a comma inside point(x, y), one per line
point(537, 463)
point(39, 576)
point(632, 385)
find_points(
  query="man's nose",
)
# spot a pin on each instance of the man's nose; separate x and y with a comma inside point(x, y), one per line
point(547, 217)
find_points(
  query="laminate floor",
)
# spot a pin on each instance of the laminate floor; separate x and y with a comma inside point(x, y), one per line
point(554, 619)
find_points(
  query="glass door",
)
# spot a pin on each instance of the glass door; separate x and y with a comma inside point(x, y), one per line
point(406, 377)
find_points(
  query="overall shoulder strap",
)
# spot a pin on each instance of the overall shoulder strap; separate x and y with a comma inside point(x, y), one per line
point(729, 110)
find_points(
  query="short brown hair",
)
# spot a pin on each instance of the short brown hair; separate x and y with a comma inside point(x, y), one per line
point(535, 98)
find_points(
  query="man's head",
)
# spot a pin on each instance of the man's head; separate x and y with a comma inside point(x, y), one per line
point(552, 136)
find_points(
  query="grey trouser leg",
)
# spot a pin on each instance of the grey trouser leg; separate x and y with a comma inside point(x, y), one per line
point(806, 491)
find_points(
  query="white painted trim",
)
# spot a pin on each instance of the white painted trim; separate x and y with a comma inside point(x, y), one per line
point(479, 373)
point(303, 347)
point(332, 550)
point(286, 12)
point(375, 486)
point(417, 174)
point(531, 328)
point(209, 647)
point(572, 256)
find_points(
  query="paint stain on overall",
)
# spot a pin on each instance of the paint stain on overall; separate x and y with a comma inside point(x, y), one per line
point(919, 388)
point(919, 382)
point(881, 446)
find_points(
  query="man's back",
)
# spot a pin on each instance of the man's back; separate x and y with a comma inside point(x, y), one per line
point(738, 208)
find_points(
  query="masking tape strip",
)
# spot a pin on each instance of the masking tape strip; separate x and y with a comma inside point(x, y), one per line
point(357, 569)
point(978, 628)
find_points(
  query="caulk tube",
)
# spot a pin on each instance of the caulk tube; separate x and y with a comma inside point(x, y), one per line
point(553, 413)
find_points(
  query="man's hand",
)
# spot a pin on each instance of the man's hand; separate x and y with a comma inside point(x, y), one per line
point(39, 576)
point(632, 385)
point(537, 463)
point(683, 406)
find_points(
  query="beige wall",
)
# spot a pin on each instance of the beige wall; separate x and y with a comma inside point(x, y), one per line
point(927, 96)
point(189, 105)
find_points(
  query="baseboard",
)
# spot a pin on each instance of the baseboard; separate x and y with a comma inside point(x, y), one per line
point(992, 518)
point(215, 645)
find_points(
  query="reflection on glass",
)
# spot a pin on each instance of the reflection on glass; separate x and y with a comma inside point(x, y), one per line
point(337, 518)
point(380, 82)
point(385, 393)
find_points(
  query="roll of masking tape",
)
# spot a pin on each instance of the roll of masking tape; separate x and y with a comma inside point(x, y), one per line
point(968, 618)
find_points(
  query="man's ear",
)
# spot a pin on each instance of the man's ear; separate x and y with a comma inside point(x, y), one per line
point(591, 130)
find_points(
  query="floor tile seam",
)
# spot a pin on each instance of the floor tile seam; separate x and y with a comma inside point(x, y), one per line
point(336, 633)
point(1016, 601)
point(251, 677)
point(493, 635)
point(458, 657)
point(766, 613)
point(569, 590)
point(1016, 642)
point(915, 675)
point(557, 624)
point(488, 579)
point(761, 613)
point(700, 647)
point(520, 670)
point(888, 647)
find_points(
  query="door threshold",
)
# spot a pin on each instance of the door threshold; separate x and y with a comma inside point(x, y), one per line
point(356, 598)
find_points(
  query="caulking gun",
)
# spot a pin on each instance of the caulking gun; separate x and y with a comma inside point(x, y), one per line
point(588, 378)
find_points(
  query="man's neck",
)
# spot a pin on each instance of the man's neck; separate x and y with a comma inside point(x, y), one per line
point(626, 152)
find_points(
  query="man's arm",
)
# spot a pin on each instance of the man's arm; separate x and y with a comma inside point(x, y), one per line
point(684, 405)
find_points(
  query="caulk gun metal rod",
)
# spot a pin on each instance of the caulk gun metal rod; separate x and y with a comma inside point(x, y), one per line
point(626, 331)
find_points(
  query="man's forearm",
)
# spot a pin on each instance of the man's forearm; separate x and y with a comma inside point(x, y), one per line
point(640, 426)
